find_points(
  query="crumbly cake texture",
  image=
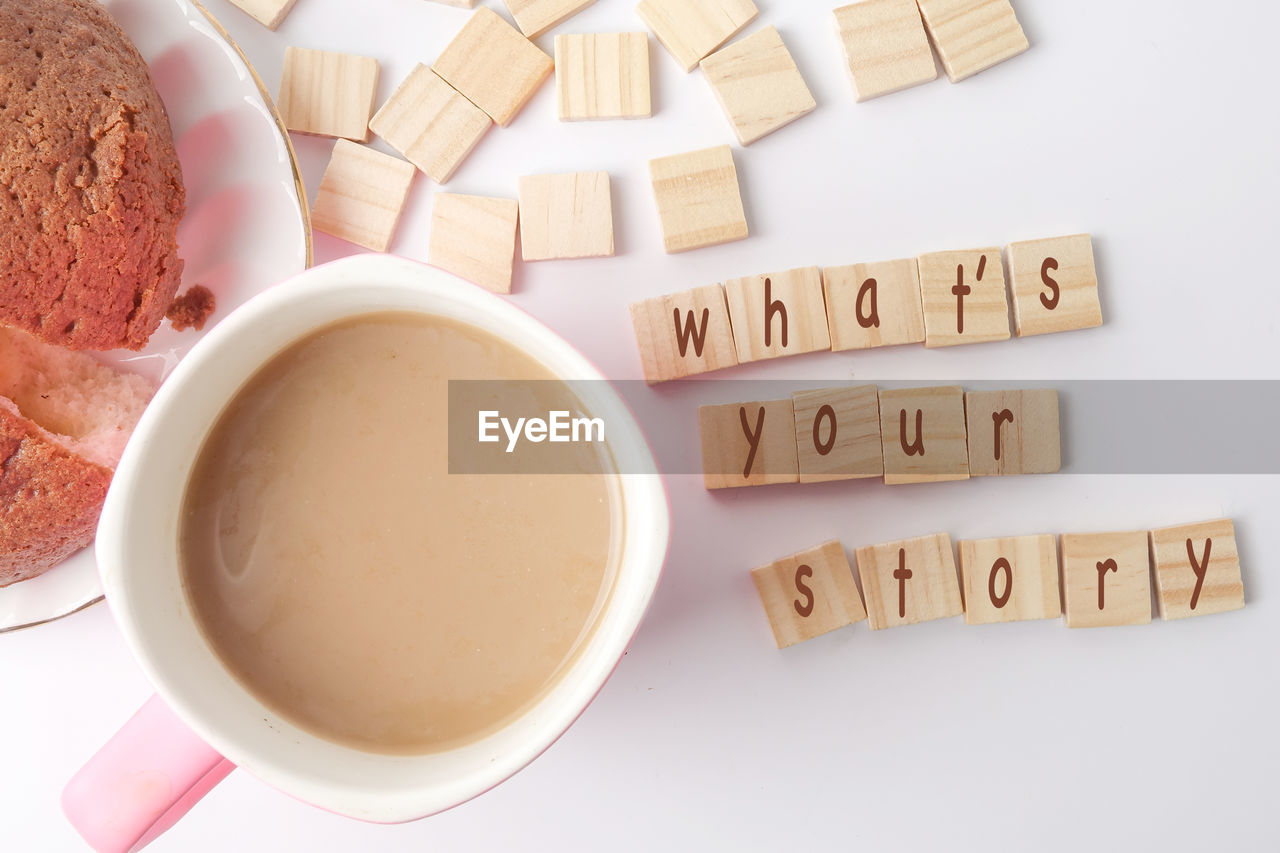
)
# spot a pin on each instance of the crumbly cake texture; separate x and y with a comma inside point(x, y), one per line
point(88, 255)
point(50, 498)
point(64, 421)
point(192, 309)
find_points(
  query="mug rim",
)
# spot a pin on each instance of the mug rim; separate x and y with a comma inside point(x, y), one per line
point(360, 285)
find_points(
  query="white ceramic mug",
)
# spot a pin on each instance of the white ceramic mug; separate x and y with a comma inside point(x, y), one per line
point(204, 721)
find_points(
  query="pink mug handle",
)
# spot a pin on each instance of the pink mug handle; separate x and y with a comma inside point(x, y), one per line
point(142, 781)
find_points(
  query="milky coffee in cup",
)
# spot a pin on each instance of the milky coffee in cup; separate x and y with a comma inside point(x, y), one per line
point(356, 587)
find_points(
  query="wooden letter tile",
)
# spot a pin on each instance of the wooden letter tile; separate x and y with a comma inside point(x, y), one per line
point(474, 237)
point(602, 75)
point(1106, 579)
point(1013, 432)
point(1197, 569)
point(972, 35)
point(923, 434)
point(1054, 284)
point(964, 297)
point(690, 29)
point(885, 46)
point(698, 199)
point(1011, 579)
point(777, 314)
point(269, 13)
point(758, 85)
point(494, 66)
point(327, 93)
point(681, 334)
point(535, 17)
point(748, 444)
point(809, 594)
point(361, 195)
point(429, 123)
point(566, 216)
point(838, 433)
point(910, 581)
point(873, 305)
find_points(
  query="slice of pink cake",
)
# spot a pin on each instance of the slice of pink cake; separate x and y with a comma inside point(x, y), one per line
point(64, 421)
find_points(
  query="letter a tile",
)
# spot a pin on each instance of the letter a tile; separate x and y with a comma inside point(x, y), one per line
point(873, 305)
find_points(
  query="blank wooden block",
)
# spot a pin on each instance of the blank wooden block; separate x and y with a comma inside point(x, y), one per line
point(269, 13)
point(474, 237)
point(758, 85)
point(923, 434)
point(691, 29)
point(1054, 284)
point(885, 46)
point(873, 305)
point(838, 433)
point(777, 314)
point(361, 195)
point(698, 199)
point(494, 66)
point(566, 216)
point(972, 35)
point(433, 126)
point(909, 581)
point(602, 76)
point(1010, 579)
point(327, 93)
point(1106, 579)
point(681, 334)
point(535, 17)
point(1013, 432)
point(1197, 569)
point(809, 594)
point(963, 296)
point(748, 444)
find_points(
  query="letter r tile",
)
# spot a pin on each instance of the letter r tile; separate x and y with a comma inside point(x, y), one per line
point(809, 593)
point(1106, 579)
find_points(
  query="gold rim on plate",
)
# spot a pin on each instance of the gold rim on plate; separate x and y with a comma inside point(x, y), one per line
point(275, 116)
point(303, 211)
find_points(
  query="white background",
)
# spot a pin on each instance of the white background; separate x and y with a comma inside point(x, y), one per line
point(1151, 125)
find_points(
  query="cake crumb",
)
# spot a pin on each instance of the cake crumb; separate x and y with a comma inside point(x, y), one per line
point(191, 309)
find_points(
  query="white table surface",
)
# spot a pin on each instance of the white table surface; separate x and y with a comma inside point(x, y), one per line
point(1152, 125)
